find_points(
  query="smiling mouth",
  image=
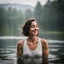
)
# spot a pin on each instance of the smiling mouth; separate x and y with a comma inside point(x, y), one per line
point(35, 31)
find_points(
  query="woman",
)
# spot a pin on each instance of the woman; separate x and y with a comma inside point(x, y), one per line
point(33, 46)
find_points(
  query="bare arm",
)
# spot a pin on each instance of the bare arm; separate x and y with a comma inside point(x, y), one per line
point(19, 52)
point(45, 47)
point(45, 51)
point(20, 48)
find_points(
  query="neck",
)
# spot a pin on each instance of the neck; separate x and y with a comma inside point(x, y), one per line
point(32, 38)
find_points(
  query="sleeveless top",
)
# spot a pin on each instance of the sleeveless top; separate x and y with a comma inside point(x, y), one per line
point(32, 53)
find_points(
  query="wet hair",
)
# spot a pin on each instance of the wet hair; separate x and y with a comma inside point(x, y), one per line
point(26, 27)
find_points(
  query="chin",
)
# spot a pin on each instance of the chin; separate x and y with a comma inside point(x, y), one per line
point(35, 34)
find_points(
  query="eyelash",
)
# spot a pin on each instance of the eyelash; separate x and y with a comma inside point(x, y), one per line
point(33, 26)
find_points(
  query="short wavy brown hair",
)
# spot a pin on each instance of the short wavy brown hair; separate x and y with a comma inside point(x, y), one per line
point(27, 25)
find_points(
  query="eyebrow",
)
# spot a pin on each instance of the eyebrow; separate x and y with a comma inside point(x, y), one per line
point(34, 25)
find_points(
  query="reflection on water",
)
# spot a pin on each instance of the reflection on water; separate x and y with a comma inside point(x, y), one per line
point(30, 61)
point(8, 51)
point(33, 60)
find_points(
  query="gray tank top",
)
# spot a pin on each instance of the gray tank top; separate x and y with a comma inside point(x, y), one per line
point(32, 53)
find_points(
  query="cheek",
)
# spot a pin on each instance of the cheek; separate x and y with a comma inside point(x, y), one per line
point(38, 29)
point(31, 29)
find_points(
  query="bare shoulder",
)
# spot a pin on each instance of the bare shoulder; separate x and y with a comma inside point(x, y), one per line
point(20, 43)
point(44, 42)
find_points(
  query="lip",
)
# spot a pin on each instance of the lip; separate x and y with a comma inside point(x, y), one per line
point(35, 31)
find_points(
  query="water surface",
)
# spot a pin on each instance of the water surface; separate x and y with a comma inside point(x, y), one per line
point(8, 51)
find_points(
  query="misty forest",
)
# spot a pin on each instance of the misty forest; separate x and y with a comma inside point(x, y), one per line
point(50, 18)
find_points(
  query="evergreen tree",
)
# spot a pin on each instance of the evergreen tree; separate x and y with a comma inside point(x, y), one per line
point(38, 12)
point(28, 14)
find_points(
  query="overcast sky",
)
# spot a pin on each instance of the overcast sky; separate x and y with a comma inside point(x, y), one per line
point(29, 2)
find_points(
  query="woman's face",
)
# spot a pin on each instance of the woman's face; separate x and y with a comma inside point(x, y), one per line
point(34, 29)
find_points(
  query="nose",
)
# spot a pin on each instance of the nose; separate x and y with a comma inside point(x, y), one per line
point(36, 28)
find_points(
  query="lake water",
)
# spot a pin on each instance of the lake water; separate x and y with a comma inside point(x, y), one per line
point(8, 50)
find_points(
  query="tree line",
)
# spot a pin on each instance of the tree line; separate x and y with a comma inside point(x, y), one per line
point(50, 18)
